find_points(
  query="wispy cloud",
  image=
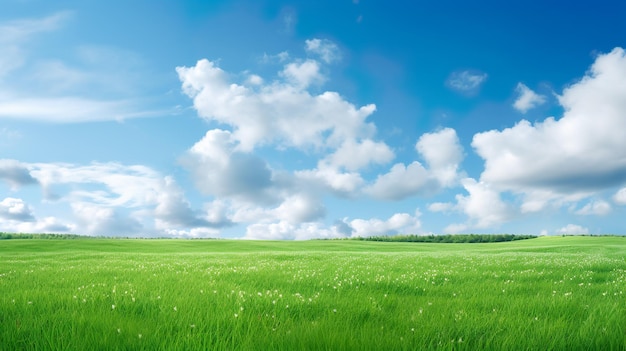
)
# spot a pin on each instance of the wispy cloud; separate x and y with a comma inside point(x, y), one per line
point(324, 48)
point(99, 83)
point(467, 81)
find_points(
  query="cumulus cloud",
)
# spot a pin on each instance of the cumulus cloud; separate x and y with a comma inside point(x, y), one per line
point(111, 198)
point(220, 170)
point(582, 152)
point(15, 210)
point(483, 206)
point(281, 114)
point(324, 48)
point(397, 223)
point(354, 155)
point(345, 184)
point(102, 220)
point(442, 152)
point(466, 82)
point(573, 229)
point(526, 98)
point(282, 111)
point(17, 216)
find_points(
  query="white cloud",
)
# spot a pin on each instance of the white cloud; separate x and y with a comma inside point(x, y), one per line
point(284, 230)
point(16, 210)
point(108, 221)
point(112, 199)
point(353, 155)
point(69, 110)
point(324, 48)
point(441, 207)
point(303, 74)
point(466, 82)
point(280, 230)
point(17, 216)
point(573, 229)
point(402, 181)
point(300, 208)
point(527, 99)
point(599, 208)
point(219, 170)
point(620, 197)
point(277, 112)
point(574, 156)
point(340, 183)
point(483, 207)
point(442, 152)
point(399, 223)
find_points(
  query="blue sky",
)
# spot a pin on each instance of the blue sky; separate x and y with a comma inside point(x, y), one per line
point(298, 120)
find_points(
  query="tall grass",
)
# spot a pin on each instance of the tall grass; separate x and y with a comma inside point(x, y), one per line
point(547, 293)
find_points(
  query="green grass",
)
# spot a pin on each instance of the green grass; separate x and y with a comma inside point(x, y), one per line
point(558, 293)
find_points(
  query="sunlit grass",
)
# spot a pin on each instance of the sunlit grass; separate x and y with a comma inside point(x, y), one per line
point(546, 293)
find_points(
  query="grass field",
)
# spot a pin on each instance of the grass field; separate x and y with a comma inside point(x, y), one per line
point(549, 293)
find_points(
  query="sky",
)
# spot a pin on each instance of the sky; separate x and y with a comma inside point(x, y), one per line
point(312, 119)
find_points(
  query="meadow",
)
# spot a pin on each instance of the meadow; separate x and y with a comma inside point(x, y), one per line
point(548, 293)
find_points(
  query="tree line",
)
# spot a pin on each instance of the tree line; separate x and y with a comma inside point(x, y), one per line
point(448, 238)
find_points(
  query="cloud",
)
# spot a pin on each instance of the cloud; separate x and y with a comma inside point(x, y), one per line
point(116, 199)
point(281, 230)
point(399, 223)
point(324, 48)
point(599, 208)
point(173, 210)
point(14, 34)
point(92, 88)
point(15, 173)
point(102, 220)
point(19, 30)
point(70, 110)
point(582, 152)
point(620, 197)
point(442, 152)
point(466, 82)
point(279, 112)
point(17, 216)
point(573, 229)
point(483, 207)
point(527, 99)
point(345, 184)
point(302, 74)
point(300, 208)
point(220, 170)
point(15, 210)
point(354, 155)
